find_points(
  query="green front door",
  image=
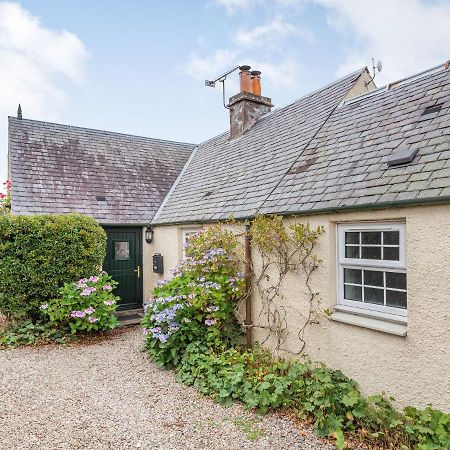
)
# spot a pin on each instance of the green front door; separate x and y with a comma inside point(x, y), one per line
point(123, 262)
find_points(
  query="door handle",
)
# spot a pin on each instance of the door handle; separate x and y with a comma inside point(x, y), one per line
point(138, 270)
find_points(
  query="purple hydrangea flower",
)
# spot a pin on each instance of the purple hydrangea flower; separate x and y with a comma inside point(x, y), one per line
point(89, 310)
point(77, 314)
point(93, 279)
point(109, 302)
point(212, 308)
point(92, 319)
point(210, 322)
point(107, 287)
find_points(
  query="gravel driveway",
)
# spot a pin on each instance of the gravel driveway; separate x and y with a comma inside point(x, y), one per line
point(109, 396)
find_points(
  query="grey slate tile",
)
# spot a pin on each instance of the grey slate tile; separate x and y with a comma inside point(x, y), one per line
point(60, 168)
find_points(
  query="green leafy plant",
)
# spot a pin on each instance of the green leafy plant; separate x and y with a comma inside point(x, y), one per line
point(84, 306)
point(332, 400)
point(39, 254)
point(29, 333)
point(198, 302)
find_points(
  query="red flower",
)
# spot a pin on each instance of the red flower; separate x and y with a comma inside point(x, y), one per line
point(2, 196)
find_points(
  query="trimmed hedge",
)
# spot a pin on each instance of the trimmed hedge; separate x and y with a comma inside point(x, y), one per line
point(39, 254)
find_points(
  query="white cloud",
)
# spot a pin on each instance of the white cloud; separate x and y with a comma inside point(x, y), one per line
point(277, 30)
point(201, 68)
point(407, 35)
point(232, 6)
point(279, 76)
point(33, 62)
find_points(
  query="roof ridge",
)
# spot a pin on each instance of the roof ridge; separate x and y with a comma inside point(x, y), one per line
point(102, 131)
point(400, 82)
point(174, 185)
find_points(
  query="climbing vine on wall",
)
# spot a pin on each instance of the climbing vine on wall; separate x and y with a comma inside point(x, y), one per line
point(283, 251)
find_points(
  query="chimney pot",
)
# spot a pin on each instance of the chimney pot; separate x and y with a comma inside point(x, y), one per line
point(256, 82)
point(245, 79)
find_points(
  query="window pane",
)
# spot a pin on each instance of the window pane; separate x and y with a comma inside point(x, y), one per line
point(352, 292)
point(371, 237)
point(353, 276)
point(396, 299)
point(352, 237)
point(373, 295)
point(373, 278)
point(391, 253)
point(371, 252)
point(391, 238)
point(121, 250)
point(351, 252)
point(396, 280)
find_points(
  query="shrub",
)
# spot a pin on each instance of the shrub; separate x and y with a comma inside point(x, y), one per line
point(198, 303)
point(87, 305)
point(38, 254)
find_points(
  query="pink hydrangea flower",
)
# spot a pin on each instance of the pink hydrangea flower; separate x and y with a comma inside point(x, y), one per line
point(92, 319)
point(107, 287)
point(109, 302)
point(93, 279)
point(77, 314)
point(88, 291)
point(89, 310)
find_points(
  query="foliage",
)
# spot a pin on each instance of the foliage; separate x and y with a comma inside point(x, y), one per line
point(87, 305)
point(5, 199)
point(197, 303)
point(283, 251)
point(38, 254)
point(327, 396)
point(30, 333)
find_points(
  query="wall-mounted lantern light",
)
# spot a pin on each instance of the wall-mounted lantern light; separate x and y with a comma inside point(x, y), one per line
point(149, 235)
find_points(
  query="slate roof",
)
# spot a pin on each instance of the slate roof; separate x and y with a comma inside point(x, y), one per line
point(233, 178)
point(316, 156)
point(59, 169)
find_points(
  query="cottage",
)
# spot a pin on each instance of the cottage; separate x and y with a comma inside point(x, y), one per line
point(371, 165)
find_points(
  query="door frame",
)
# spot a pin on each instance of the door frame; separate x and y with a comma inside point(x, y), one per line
point(140, 284)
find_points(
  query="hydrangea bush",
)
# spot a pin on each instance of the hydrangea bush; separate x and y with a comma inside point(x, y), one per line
point(198, 302)
point(87, 305)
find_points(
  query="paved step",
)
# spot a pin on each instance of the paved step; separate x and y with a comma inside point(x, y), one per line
point(130, 317)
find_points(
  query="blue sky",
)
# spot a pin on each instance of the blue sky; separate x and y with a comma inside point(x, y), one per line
point(138, 67)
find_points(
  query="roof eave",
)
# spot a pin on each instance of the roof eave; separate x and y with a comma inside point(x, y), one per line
point(313, 212)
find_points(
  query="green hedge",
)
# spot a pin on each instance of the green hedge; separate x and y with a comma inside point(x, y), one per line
point(38, 254)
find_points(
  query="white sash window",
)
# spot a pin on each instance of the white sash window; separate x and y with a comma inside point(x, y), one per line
point(372, 269)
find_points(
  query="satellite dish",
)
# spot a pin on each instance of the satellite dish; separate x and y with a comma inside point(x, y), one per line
point(379, 66)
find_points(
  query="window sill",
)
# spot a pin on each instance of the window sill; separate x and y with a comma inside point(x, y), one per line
point(396, 328)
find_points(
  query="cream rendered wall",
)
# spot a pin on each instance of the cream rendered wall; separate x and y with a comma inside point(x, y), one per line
point(167, 240)
point(414, 369)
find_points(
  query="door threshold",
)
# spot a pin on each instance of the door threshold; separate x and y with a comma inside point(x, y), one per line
point(130, 317)
point(127, 312)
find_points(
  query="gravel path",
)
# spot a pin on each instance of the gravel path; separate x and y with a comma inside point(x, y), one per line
point(109, 396)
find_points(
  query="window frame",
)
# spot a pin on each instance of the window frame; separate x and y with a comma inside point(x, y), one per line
point(381, 311)
point(186, 233)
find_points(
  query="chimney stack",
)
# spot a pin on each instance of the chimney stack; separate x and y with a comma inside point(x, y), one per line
point(249, 105)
